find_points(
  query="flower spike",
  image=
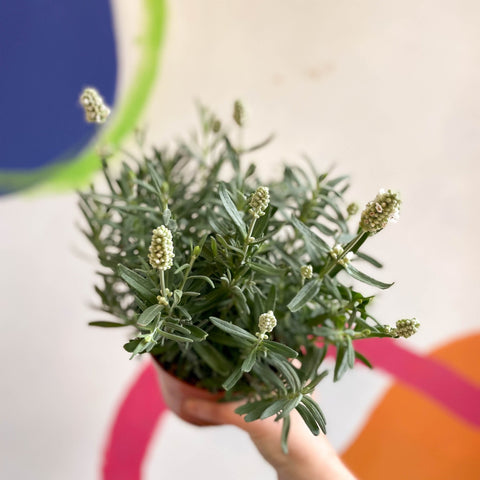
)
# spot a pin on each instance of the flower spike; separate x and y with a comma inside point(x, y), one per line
point(259, 202)
point(383, 209)
point(266, 323)
point(95, 109)
point(161, 249)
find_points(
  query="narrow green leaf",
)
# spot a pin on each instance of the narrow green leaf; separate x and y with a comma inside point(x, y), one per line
point(167, 215)
point(157, 181)
point(290, 405)
point(350, 352)
point(212, 357)
point(232, 154)
point(130, 345)
point(266, 269)
point(231, 209)
point(202, 277)
point(341, 362)
point(362, 277)
point(213, 246)
point(250, 170)
point(316, 412)
point(233, 329)
point(107, 324)
point(312, 361)
point(196, 333)
point(140, 284)
point(184, 312)
point(304, 295)
point(139, 348)
point(249, 362)
point(289, 373)
point(177, 296)
point(176, 338)
point(253, 406)
point(315, 381)
point(267, 375)
point(281, 349)
point(245, 408)
point(271, 301)
point(146, 186)
point(183, 267)
point(259, 145)
point(149, 315)
point(324, 229)
point(369, 259)
point(315, 245)
point(337, 180)
point(308, 418)
point(274, 408)
point(363, 359)
point(177, 327)
point(284, 437)
point(234, 377)
point(331, 284)
point(255, 413)
point(218, 336)
point(241, 301)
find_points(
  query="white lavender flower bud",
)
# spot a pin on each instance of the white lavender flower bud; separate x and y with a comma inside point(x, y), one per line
point(216, 125)
point(148, 338)
point(266, 323)
point(389, 330)
point(406, 327)
point(377, 213)
point(161, 249)
point(336, 251)
point(162, 300)
point(346, 259)
point(259, 202)
point(306, 271)
point(95, 109)
point(352, 209)
point(239, 113)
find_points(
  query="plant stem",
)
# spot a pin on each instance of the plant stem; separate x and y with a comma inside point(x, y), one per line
point(353, 245)
point(162, 284)
point(247, 240)
point(187, 272)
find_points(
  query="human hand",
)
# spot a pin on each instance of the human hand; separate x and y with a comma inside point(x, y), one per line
point(308, 457)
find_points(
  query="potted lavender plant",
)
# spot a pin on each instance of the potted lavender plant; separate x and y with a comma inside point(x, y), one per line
point(237, 286)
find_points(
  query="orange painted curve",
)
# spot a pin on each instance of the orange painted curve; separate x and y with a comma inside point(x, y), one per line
point(410, 436)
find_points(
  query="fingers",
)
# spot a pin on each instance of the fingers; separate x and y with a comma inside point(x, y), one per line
point(216, 413)
point(224, 414)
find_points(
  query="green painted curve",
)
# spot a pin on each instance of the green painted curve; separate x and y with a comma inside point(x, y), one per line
point(77, 172)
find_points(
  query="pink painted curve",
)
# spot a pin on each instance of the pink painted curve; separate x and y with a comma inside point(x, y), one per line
point(133, 427)
point(426, 375)
point(143, 405)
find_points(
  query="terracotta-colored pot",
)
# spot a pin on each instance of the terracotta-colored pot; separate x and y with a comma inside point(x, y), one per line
point(176, 391)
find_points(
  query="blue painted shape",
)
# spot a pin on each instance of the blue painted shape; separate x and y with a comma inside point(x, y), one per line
point(49, 51)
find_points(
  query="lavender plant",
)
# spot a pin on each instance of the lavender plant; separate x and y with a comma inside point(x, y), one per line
point(233, 284)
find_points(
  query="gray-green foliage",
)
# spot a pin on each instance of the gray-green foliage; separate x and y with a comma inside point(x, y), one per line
point(223, 280)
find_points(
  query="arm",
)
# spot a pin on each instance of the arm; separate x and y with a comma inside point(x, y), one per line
point(309, 457)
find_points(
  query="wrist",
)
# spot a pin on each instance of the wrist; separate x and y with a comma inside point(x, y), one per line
point(318, 464)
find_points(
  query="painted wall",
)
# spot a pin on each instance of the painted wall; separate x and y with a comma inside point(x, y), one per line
point(387, 91)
